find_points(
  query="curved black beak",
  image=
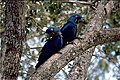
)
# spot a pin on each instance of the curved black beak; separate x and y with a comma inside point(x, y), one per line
point(83, 21)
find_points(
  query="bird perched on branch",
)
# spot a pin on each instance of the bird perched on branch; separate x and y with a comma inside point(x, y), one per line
point(69, 29)
point(53, 45)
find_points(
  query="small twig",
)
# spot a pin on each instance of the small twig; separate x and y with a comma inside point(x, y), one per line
point(78, 2)
point(116, 10)
point(31, 74)
point(35, 47)
point(99, 56)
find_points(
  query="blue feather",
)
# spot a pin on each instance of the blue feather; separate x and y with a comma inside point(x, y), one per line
point(69, 29)
point(52, 45)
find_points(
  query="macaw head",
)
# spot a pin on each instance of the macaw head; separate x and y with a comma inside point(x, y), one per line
point(52, 31)
point(77, 18)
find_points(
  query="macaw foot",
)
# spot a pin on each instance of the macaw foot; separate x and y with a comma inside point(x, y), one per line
point(78, 38)
point(59, 52)
point(73, 43)
point(70, 42)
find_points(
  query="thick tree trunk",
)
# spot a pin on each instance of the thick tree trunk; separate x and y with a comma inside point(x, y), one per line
point(12, 39)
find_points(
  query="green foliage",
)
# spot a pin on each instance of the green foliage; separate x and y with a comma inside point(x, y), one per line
point(111, 53)
point(109, 47)
point(39, 15)
point(115, 19)
point(96, 77)
point(53, 7)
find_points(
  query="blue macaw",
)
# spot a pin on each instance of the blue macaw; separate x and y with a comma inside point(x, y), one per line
point(53, 45)
point(69, 29)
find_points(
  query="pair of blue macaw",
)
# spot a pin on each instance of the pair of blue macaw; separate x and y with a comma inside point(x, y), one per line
point(59, 38)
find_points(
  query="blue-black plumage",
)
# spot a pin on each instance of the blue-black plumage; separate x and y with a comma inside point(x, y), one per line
point(53, 45)
point(69, 29)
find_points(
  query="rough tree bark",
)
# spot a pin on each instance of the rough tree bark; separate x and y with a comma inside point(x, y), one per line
point(12, 39)
point(71, 51)
point(81, 64)
point(103, 10)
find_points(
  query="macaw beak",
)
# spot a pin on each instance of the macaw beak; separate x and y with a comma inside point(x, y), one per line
point(50, 35)
point(82, 21)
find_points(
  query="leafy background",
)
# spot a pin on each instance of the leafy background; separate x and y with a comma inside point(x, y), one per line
point(105, 63)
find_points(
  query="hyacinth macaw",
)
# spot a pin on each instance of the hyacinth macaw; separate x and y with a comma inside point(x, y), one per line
point(69, 29)
point(53, 45)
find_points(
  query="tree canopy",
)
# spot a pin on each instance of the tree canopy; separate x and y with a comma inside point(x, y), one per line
point(100, 36)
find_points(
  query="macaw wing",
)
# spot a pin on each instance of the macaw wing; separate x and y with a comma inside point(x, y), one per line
point(58, 42)
point(65, 27)
point(68, 30)
point(46, 50)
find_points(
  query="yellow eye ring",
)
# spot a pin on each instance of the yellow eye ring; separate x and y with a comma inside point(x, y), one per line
point(53, 33)
point(76, 16)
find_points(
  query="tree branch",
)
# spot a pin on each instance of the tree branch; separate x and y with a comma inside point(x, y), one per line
point(78, 2)
point(79, 70)
point(82, 62)
point(71, 51)
point(101, 14)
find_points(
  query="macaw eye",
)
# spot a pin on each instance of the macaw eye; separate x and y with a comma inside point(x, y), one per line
point(82, 20)
point(51, 30)
point(76, 16)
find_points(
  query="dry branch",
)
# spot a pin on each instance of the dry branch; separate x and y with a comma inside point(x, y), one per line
point(71, 51)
